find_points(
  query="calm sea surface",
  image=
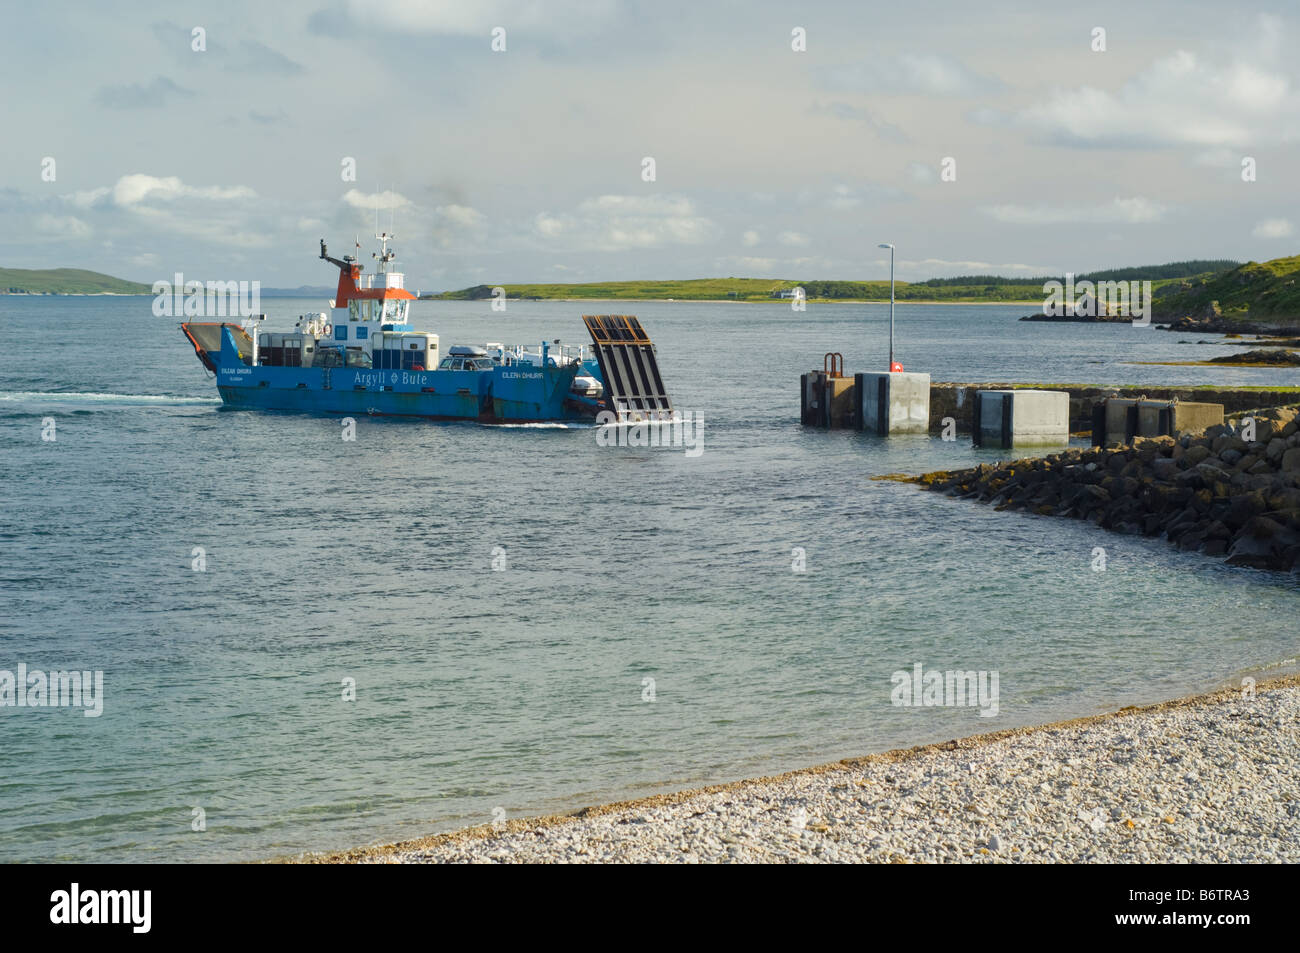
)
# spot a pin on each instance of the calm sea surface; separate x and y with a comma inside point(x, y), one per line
point(525, 689)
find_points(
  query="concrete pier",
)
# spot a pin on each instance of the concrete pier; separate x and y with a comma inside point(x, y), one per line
point(1021, 418)
point(894, 402)
point(827, 400)
point(955, 400)
point(1122, 420)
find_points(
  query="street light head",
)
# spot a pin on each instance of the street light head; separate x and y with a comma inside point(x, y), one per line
point(885, 245)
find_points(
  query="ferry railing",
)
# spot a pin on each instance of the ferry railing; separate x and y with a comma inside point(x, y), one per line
point(562, 354)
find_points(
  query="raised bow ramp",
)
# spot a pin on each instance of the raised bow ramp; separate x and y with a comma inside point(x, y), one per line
point(629, 368)
point(206, 337)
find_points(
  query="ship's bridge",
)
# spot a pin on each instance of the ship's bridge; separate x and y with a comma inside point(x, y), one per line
point(363, 305)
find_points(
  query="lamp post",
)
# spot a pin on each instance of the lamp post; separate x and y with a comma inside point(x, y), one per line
point(890, 246)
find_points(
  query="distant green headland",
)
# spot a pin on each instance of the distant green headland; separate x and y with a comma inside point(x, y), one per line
point(1267, 292)
point(966, 288)
point(1199, 294)
point(65, 281)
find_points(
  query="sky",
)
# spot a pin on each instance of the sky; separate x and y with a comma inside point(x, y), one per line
point(224, 140)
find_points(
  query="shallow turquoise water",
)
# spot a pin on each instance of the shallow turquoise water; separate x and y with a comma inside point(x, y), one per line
point(523, 689)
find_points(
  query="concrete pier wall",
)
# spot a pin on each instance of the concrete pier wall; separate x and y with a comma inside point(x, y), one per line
point(893, 402)
point(827, 401)
point(957, 400)
point(1124, 420)
point(1022, 418)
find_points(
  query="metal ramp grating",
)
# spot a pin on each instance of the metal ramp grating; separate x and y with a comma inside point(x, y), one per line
point(630, 369)
point(206, 338)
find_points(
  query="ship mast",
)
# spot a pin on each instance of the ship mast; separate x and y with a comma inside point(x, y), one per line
point(384, 256)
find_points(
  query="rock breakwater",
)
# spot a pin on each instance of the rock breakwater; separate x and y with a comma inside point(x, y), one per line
point(1233, 491)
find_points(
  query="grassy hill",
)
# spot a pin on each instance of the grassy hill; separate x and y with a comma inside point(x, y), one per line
point(65, 281)
point(969, 288)
point(1255, 291)
point(697, 289)
point(752, 289)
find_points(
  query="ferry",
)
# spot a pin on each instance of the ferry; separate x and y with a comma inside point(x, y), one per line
point(364, 357)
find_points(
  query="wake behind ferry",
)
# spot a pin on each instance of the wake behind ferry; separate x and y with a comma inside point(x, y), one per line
point(364, 357)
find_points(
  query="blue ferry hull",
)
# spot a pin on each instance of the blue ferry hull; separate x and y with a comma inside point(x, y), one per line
point(500, 395)
point(504, 394)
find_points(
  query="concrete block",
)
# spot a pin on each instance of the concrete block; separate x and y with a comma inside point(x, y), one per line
point(893, 403)
point(1021, 418)
point(1193, 417)
point(840, 405)
point(827, 401)
point(1123, 420)
point(811, 411)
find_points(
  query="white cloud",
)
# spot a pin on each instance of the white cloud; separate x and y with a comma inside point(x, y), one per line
point(1274, 228)
point(794, 239)
point(751, 264)
point(134, 189)
point(457, 226)
point(922, 73)
point(215, 227)
point(942, 268)
point(848, 112)
point(1128, 211)
point(457, 18)
point(843, 197)
point(131, 190)
point(750, 238)
point(62, 226)
point(460, 216)
point(1181, 99)
point(88, 198)
point(759, 267)
point(921, 173)
point(375, 200)
point(1218, 157)
point(618, 222)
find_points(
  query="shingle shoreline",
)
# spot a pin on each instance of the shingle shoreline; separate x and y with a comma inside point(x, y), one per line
point(1207, 779)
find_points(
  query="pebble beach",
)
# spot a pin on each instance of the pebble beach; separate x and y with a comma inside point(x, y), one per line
point(1208, 779)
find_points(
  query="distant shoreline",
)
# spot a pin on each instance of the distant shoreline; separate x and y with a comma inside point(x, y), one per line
point(780, 301)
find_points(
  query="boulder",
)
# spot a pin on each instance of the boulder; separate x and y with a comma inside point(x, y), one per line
point(1164, 468)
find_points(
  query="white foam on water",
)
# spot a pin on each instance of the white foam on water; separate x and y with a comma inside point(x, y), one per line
point(89, 398)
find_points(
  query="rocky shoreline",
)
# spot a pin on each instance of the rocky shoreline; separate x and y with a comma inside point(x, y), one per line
point(1219, 493)
point(1206, 324)
point(1216, 324)
point(1080, 318)
point(1208, 779)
